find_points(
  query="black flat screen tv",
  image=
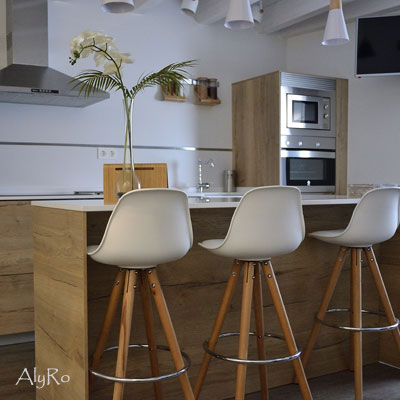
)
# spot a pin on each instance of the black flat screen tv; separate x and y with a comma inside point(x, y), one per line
point(378, 46)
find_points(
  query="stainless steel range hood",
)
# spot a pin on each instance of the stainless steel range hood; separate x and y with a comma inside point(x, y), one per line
point(25, 76)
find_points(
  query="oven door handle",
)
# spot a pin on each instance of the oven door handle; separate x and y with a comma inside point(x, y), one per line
point(307, 154)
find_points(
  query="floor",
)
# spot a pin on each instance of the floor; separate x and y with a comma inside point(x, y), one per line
point(381, 382)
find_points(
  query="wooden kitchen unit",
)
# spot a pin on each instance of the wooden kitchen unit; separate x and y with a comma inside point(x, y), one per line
point(16, 267)
point(256, 131)
point(71, 295)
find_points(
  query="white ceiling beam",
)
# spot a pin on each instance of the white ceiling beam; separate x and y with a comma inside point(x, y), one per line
point(210, 11)
point(286, 13)
point(145, 5)
point(359, 8)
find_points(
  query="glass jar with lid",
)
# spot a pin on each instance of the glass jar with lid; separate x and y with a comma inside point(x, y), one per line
point(212, 88)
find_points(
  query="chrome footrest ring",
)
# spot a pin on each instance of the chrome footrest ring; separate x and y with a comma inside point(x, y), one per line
point(352, 329)
point(143, 380)
point(252, 362)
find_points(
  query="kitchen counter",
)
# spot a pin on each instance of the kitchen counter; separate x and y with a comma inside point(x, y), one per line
point(208, 201)
point(46, 197)
point(71, 296)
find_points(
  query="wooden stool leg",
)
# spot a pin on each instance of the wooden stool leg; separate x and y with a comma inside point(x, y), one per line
point(369, 253)
point(108, 319)
point(245, 317)
point(216, 331)
point(149, 323)
point(169, 332)
point(287, 330)
point(125, 332)
point(357, 322)
point(259, 320)
point(351, 344)
point(337, 269)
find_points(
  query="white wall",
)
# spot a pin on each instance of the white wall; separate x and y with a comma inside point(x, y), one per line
point(156, 38)
point(374, 117)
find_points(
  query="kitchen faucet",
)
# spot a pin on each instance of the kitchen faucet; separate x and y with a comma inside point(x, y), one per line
point(201, 186)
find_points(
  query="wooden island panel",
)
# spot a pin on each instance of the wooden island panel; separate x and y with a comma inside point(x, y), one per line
point(60, 283)
point(68, 322)
point(389, 258)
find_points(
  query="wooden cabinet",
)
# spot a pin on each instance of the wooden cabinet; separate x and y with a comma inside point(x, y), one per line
point(256, 131)
point(149, 175)
point(16, 267)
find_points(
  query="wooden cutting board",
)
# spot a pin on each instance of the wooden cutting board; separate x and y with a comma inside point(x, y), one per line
point(149, 175)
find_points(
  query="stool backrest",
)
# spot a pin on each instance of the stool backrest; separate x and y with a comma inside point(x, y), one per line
point(147, 227)
point(376, 217)
point(268, 222)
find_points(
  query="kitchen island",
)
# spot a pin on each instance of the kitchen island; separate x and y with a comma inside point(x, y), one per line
point(71, 294)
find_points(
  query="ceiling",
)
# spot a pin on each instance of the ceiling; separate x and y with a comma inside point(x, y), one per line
point(287, 17)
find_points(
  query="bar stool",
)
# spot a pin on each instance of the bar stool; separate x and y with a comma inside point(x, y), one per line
point(146, 228)
point(268, 222)
point(374, 220)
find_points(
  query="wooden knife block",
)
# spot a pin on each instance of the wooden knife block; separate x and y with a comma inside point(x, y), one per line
point(149, 175)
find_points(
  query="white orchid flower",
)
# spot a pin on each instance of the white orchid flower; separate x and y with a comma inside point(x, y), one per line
point(99, 58)
point(104, 51)
point(110, 68)
point(120, 58)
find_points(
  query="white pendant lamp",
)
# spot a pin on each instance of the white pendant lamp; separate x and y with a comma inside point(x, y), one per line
point(117, 6)
point(189, 7)
point(239, 15)
point(335, 31)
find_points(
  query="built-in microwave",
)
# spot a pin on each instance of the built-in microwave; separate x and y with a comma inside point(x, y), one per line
point(307, 112)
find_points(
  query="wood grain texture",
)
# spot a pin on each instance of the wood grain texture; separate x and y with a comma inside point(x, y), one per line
point(13, 360)
point(335, 4)
point(286, 328)
point(16, 303)
point(255, 130)
point(326, 300)
point(149, 323)
point(260, 329)
point(383, 295)
point(388, 351)
point(60, 283)
point(389, 264)
point(245, 319)
point(16, 267)
point(149, 175)
point(125, 332)
point(356, 321)
point(342, 123)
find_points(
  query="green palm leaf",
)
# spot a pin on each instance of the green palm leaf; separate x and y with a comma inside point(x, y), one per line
point(92, 81)
point(172, 72)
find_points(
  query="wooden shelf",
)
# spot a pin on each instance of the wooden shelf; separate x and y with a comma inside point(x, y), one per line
point(208, 101)
point(170, 97)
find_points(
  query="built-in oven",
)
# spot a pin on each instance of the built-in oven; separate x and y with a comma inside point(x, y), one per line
point(308, 163)
point(307, 112)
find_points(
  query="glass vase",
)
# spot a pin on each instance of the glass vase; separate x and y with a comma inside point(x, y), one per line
point(127, 179)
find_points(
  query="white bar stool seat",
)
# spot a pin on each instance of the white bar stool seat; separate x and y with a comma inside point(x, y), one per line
point(147, 227)
point(374, 220)
point(268, 222)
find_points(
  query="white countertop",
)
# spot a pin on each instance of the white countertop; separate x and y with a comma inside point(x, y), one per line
point(46, 197)
point(194, 202)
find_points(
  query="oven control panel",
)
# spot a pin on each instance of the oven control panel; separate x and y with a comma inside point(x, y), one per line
point(308, 143)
